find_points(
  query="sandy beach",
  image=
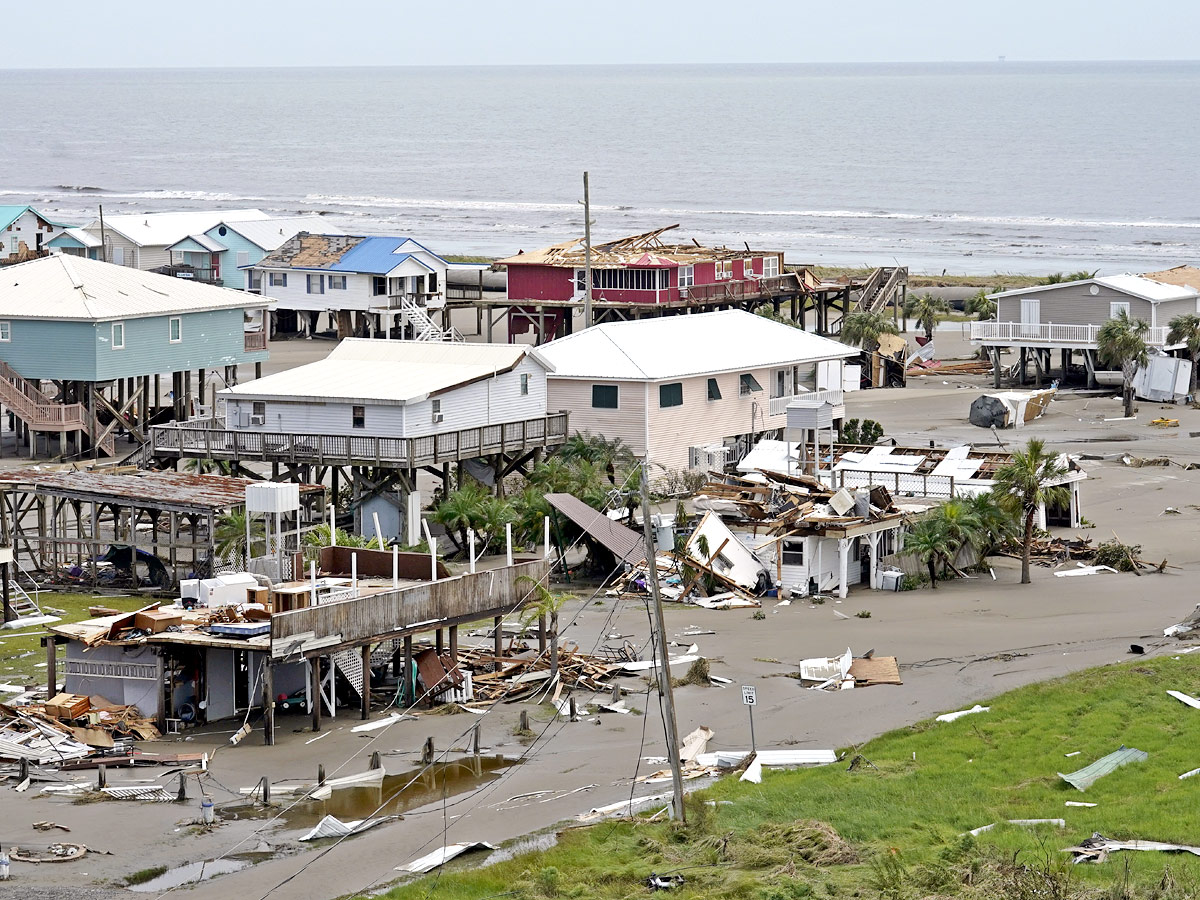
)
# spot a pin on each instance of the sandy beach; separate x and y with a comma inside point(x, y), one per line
point(957, 645)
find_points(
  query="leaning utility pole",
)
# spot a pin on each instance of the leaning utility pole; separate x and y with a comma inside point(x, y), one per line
point(660, 643)
point(104, 237)
point(587, 255)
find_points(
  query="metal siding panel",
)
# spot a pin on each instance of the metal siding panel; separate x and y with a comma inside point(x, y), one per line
point(628, 421)
point(211, 339)
point(46, 349)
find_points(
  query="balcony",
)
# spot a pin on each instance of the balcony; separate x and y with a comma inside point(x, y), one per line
point(1046, 334)
point(398, 302)
point(192, 273)
point(255, 341)
point(779, 405)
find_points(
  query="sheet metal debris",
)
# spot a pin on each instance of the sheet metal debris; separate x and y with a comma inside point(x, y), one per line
point(1025, 823)
point(441, 856)
point(1185, 698)
point(1097, 848)
point(333, 827)
point(1088, 775)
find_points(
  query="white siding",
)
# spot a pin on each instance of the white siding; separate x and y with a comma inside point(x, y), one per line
point(486, 402)
point(356, 296)
point(628, 421)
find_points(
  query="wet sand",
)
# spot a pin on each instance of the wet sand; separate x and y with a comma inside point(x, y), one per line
point(960, 644)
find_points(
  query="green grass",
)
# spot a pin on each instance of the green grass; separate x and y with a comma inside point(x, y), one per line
point(999, 280)
point(21, 651)
point(141, 876)
point(904, 819)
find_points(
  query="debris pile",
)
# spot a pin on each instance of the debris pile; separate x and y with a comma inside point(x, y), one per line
point(69, 727)
point(845, 672)
point(528, 676)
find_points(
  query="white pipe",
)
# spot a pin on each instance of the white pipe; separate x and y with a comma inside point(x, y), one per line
point(312, 573)
point(354, 574)
point(471, 552)
point(332, 526)
point(428, 536)
point(547, 540)
point(508, 542)
point(395, 567)
point(433, 559)
point(379, 531)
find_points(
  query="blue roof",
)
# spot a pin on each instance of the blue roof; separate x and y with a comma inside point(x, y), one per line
point(10, 214)
point(374, 256)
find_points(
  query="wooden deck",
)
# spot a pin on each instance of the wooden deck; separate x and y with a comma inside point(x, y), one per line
point(211, 439)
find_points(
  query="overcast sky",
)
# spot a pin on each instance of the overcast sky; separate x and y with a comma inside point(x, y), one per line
point(137, 33)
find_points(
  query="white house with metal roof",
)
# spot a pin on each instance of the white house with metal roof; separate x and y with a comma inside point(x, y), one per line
point(394, 389)
point(692, 391)
point(387, 281)
point(25, 233)
point(1068, 316)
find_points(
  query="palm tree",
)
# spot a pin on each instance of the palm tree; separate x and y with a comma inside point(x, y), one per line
point(959, 528)
point(980, 305)
point(996, 523)
point(460, 512)
point(865, 328)
point(548, 603)
point(926, 310)
point(1185, 329)
point(1027, 482)
point(925, 541)
point(230, 535)
point(1121, 342)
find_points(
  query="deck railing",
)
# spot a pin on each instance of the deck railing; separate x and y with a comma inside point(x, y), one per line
point(743, 289)
point(779, 405)
point(212, 439)
point(255, 341)
point(1048, 333)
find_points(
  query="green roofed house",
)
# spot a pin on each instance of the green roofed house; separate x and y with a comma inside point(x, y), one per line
point(25, 233)
point(85, 346)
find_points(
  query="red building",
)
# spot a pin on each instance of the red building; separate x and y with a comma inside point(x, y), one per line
point(636, 276)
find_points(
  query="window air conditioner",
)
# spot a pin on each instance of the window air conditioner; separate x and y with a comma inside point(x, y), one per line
point(438, 417)
point(258, 420)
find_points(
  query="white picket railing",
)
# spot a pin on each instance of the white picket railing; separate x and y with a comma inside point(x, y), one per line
point(779, 405)
point(1048, 333)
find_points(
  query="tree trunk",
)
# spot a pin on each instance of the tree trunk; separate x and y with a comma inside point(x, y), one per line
point(1128, 397)
point(1195, 365)
point(932, 574)
point(1027, 548)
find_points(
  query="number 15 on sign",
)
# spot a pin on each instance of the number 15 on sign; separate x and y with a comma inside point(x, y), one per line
point(750, 700)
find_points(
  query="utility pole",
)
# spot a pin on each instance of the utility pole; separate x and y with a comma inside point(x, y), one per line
point(103, 236)
point(660, 643)
point(587, 256)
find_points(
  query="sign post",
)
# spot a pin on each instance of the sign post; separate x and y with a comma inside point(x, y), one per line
point(750, 700)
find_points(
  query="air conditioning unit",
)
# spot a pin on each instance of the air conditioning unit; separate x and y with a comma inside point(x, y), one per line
point(712, 456)
point(438, 417)
point(258, 420)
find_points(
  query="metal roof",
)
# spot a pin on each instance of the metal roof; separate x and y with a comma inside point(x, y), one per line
point(80, 237)
point(147, 489)
point(625, 543)
point(1139, 286)
point(686, 345)
point(162, 229)
point(362, 254)
point(63, 287)
point(198, 242)
point(10, 214)
point(271, 234)
point(383, 371)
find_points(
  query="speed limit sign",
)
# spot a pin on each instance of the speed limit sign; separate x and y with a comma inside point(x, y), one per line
point(748, 695)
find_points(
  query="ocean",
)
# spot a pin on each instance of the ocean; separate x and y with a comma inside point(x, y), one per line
point(975, 168)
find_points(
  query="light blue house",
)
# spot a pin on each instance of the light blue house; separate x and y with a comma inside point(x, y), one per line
point(105, 336)
point(25, 233)
point(221, 254)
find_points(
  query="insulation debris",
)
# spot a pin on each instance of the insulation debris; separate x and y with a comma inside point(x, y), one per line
point(951, 716)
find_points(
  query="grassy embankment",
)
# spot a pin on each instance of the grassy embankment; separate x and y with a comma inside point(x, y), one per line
point(20, 652)
point(903, 818)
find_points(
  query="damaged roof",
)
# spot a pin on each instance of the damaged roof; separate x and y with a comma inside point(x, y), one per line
point(682, 346)
point(625, 543)
point(642, 250)
point(359, 254)
point(146, 489)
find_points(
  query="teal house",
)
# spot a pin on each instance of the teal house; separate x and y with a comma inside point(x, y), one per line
point(91, 350)
point(220, 254)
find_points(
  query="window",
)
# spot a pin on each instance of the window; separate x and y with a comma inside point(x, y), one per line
point(604, 396)
point(5, 332)
point(358, 417)
point(780, 387)
point(724, 269)
point(747, 268)
point(770, 266)
point(625, 279)
point(175, 329)
point(714, 389)
point(337, 282)
point(524, 385)
point(278, 279)
point(437, 410)
point(670, 394)
point(1115, 310)
point(378, 286)
point(255, 280)
point(749, 384)
point(118, 335)
point(259, 408)
point(687, 276)
point(580, 280)
point(433, 283)
point(793, 552)
point(316, 284)
point(243, 258)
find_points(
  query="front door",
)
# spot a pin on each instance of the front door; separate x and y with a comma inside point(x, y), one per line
point(1031, 317)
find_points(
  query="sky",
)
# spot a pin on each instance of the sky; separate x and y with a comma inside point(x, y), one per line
point(220, 33)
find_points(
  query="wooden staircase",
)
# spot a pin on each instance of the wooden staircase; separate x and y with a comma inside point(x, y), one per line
point(881, 288)
point(27, 402)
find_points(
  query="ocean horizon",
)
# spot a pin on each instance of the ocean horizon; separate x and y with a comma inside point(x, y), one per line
point(968, 167)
